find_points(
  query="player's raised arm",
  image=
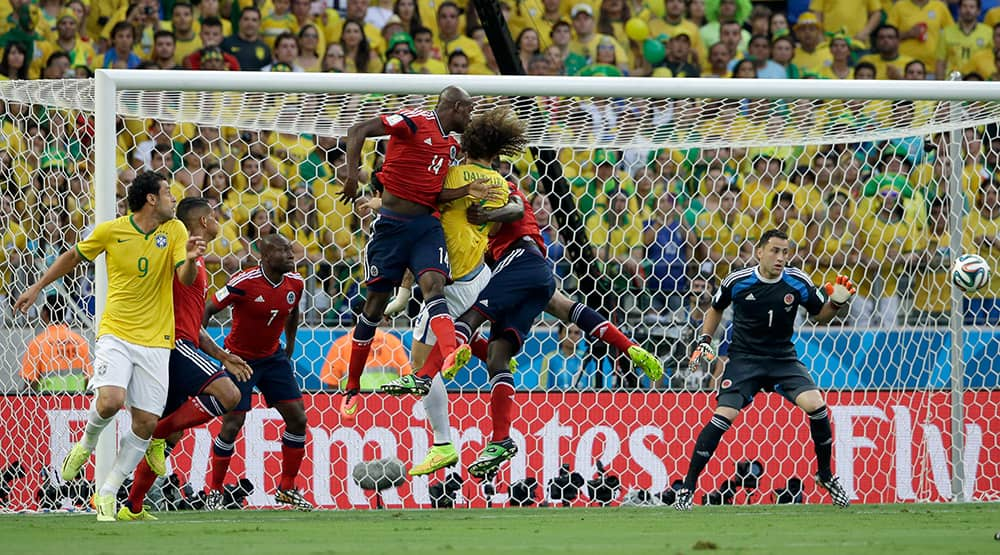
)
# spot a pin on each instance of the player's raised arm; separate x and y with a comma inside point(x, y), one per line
point(188, 271)
point(356, 136)
point(62, 266)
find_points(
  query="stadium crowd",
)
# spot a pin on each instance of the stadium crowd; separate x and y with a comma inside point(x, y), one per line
point(663, 226)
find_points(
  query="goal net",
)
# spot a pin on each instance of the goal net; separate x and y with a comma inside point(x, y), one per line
point(648, 193)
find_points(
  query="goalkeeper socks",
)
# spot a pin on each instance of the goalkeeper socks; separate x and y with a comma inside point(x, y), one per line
point(361, 346)
point(222, 453)
point(195, 411)
point(598, 327)
point(501, 404)
point(480, 346)
point(441, 323)
point(142, 481)
point(436, 407)
point(822, 435)
point(131, 450)
point(95, 425)
point(293, 449)
point(704, 448)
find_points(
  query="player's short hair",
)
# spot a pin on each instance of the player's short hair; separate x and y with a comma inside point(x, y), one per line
point(497, 132)
point(122, 26)
point(164, 33)
point(865, 65)
point(146, 183)
point(422, 31)
point(771, 234)
point(188, 207)
point(211, 21)
point(783, 196)
point(885, 26)
point(181, 5)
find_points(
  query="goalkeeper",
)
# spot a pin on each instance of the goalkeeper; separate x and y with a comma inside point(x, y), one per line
point(765, 301)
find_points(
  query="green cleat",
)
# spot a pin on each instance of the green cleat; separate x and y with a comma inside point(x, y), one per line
point(403, 385)
point(495, 454)
point(644, 359)
point(105, 505)
point(125, 514)
point(456, 361)
point(74, 461)
point(440, 456)
point(156, 456)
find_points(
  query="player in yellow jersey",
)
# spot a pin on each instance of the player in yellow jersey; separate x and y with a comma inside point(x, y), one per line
point(144, 251)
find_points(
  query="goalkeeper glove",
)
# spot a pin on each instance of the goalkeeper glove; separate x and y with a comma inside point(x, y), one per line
point(399, 302)
point(703, 351)
point(840, 291)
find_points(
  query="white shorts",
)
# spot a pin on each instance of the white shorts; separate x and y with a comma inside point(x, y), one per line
point(460, 296)
point(143, 372)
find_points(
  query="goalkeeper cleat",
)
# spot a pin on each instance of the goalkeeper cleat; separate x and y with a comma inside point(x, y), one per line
point(684, 500)
point(645, 360)
point(156, 456)
point(440, 456)
point(837, 491)
point(349, 406)
point(105, 505)
point(410, 384)
point(126, 514)
point(294, 498)
point(74, 461)
point(456, 361)
point(214, 501)
point(495, 454)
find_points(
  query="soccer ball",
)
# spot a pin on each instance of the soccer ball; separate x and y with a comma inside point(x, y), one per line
point(970, 273)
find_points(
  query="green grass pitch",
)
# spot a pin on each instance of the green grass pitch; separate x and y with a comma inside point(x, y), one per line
point(806, 529)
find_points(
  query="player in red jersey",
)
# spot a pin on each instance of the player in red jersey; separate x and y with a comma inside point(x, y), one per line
point(199, 390)
point(265, 301)
point(407, 234)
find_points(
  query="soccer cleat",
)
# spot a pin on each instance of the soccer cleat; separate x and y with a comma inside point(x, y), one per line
point(349, 406)
point(440, 456)
point(74, 461)
point(456, 360)
point(644, 359)
point(294, 498)
point(125, 514)
point(156, 456)
point(837, 491)
point(495, 454)
point(684, 500)
point(105, 505)
point(417, 385)
point(214, 501)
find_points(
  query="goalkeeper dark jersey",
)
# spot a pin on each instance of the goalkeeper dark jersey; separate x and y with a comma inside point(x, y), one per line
point(764, 311)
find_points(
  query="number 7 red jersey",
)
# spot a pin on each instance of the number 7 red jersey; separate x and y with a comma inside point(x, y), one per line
point(417, 157)
point(260, 309)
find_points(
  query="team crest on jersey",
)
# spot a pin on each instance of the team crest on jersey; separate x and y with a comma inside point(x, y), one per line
point(161, 240)
point(290, 298)
point(726, 384)
point(394, 119)
point(789, 298)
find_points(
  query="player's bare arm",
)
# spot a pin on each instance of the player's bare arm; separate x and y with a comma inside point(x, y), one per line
point(480, 189)
point(234, 364)
point(511, 212)
point(356, 136)
point(188, 271)
point(291, 329)
point(62, 266)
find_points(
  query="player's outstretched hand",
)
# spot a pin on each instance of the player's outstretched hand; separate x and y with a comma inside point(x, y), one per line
point(840, 292)
point(195, 247)
point(480, 188)
point(237, 367)
point(24, 302)
point(371, 203)
point(350, 191)
point(398, 303)
point(703, 351)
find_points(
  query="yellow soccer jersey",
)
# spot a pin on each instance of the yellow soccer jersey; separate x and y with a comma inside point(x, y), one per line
point(956, 47)
point(140, 306)
point(932, 291)
point(882, 66)
point(905, 14)
point(976, 226)
point(847, 15)
point(878, 237)
point(467, 242)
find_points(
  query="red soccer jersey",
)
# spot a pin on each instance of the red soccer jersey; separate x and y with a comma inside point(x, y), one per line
point(189, 305)
point(417, 157)
point(260, 309)
point(511, 232)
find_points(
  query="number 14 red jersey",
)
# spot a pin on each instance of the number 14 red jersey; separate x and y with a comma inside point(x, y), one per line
point(417, 156)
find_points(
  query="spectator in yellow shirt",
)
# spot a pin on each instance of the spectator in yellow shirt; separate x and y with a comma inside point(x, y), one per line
point(982, 237)
point(854, 18)
point(920, 23)
point(451, 40)
point(812, 53)
point(425, 61)
point(887, 60)
point(959, 42)
point(983, 62)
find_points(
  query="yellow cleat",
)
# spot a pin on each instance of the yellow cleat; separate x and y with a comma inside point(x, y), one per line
point(125, 514)
point(156, 456)
point(645, 360)
point(74, 461)
point(456, 361)
point(440, 456)
point(105, 505)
